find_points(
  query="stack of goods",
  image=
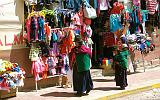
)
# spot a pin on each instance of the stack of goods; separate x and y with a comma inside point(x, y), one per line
point(11, 75)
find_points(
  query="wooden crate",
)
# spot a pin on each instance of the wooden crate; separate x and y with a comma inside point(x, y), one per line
point(7, 94)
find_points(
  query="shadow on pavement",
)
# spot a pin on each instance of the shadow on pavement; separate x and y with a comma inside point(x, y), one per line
point(107, 88)
point(59, 94)
point(103, 80)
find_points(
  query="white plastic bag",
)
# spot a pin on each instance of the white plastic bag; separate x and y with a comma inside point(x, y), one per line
point(89, 11)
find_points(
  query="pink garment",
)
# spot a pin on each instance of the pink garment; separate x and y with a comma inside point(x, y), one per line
point(84, 49)
point(36, 69)
point(104, 5)
point(151, 6)
point(136, 2)
point(77, 18)
point(54, 50)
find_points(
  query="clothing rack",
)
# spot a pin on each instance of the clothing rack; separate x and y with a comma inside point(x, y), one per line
point(63, 11)
point(65, 28)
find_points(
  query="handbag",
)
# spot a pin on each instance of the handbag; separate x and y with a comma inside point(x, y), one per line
point(89, 11)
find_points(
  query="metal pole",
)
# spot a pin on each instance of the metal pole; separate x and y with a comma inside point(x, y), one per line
point(36, 86)
point(143, 62)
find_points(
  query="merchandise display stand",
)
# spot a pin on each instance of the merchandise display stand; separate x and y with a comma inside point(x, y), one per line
point(6, 94)
point(12, 76)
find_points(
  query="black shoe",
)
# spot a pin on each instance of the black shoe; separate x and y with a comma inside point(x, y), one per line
point(79, 94)
point(122, 87)
point(87, 92)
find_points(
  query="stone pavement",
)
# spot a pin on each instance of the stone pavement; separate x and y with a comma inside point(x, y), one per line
point(104, 88)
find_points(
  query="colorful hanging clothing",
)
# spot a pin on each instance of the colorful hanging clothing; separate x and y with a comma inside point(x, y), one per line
point(115, 22)
point(41, 28)
point(104, 5)
point(136, 2)
point(151, 6)
point(34, 53)
point(117, 8)
point(37, 68)
point(28, 24)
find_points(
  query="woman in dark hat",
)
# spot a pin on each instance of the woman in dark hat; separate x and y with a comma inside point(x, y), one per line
point(80, 63)
point(121, 63)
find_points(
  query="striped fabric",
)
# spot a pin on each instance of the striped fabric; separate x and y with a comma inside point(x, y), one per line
point(151, 6)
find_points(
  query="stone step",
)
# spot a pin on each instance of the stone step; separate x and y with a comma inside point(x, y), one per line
point(96, 72)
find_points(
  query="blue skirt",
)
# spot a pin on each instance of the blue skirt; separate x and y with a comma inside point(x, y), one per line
point(82, 81)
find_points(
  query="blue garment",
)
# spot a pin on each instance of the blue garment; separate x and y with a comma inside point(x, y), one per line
point(77, 32)
point(33, 29)
point(142, 46)
point(95, 4)
point(40, 28)
point(144, 17)
point(73, 4)
point(115, 22)
point(70, 4)
point(88, 1)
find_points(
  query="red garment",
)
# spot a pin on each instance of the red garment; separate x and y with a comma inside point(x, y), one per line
point(47, 31)
point(67, 43)
point(28, 22)
point(45, 64)
point(108, 39)
point(72, 58)
point(126, 15)
point(139, 15)
point(98, 9)
point(117, 8)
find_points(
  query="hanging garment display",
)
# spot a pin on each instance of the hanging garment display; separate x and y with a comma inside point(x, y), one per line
point(117, 8)
point(73, 4)
point(108, 39)
point(11, 75)
point(104, 5)
point(33, 28)
point(151, 6)
point(41, 28)
point(136, 2)
point(115, 22)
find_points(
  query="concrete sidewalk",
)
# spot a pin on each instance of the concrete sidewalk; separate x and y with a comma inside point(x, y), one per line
point(104, 88)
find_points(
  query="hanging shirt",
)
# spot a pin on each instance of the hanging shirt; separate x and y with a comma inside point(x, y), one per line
point(95, 4)
point(115, 22)
point(34, 53)
point(151, 6)
point(104, 5)
point(136, 2)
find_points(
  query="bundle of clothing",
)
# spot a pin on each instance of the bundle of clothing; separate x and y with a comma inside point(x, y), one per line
point(11, 75)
